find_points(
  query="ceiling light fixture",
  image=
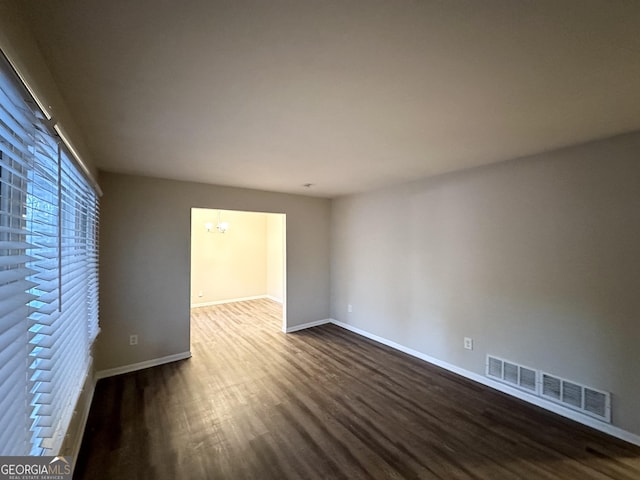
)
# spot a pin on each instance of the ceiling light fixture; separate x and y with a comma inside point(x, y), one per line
point(222, 227)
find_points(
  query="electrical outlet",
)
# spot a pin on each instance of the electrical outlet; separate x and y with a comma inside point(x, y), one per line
point(200, 293)
point(468, 343)
point(349, 308)
point(133, 339)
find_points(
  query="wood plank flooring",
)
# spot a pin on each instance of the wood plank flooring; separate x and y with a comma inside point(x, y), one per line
point(324, 403)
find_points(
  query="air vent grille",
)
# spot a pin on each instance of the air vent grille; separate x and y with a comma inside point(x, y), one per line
point(512, 374)
point(494, 367)
point(570, 394)
point(528, 378)
point(578, 397)
point(551, 387)
point(595, 402)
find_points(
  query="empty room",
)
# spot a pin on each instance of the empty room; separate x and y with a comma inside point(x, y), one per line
point(319, 239)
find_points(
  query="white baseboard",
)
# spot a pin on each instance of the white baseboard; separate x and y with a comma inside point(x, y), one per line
point(229, 300)
point(540, 402)
point(275, 299)
point(304, 326)
point(83, 412)
point(111, 372)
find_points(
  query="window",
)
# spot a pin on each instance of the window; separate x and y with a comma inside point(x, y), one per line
point(48, 277)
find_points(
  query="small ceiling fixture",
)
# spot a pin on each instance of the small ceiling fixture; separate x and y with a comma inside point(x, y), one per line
point(308, 185)
point(222, 227)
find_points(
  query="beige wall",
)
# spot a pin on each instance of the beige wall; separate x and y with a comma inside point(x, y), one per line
point(145, 260)
point(230, 265)
point(275, 256)
point(538, 260)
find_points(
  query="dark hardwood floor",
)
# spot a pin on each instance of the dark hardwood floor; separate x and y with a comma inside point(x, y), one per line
point(254, 403)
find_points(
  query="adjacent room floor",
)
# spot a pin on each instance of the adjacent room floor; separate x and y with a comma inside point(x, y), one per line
point(254, 403)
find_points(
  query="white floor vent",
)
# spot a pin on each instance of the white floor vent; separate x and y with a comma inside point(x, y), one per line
point(587, 400)
point(512, 374)
point(590, 401)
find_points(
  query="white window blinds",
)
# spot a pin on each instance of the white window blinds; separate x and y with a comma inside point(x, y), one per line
point(16, 160)
point(48, 278)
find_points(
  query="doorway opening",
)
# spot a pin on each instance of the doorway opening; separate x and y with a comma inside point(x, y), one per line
point(239, 257)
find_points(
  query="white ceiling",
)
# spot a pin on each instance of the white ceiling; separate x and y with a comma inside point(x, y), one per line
point(347, 95)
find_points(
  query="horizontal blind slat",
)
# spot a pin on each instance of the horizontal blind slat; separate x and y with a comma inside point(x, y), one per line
point(14, 260)
point(7, 276)
point(12, 304)
point(16, 289)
